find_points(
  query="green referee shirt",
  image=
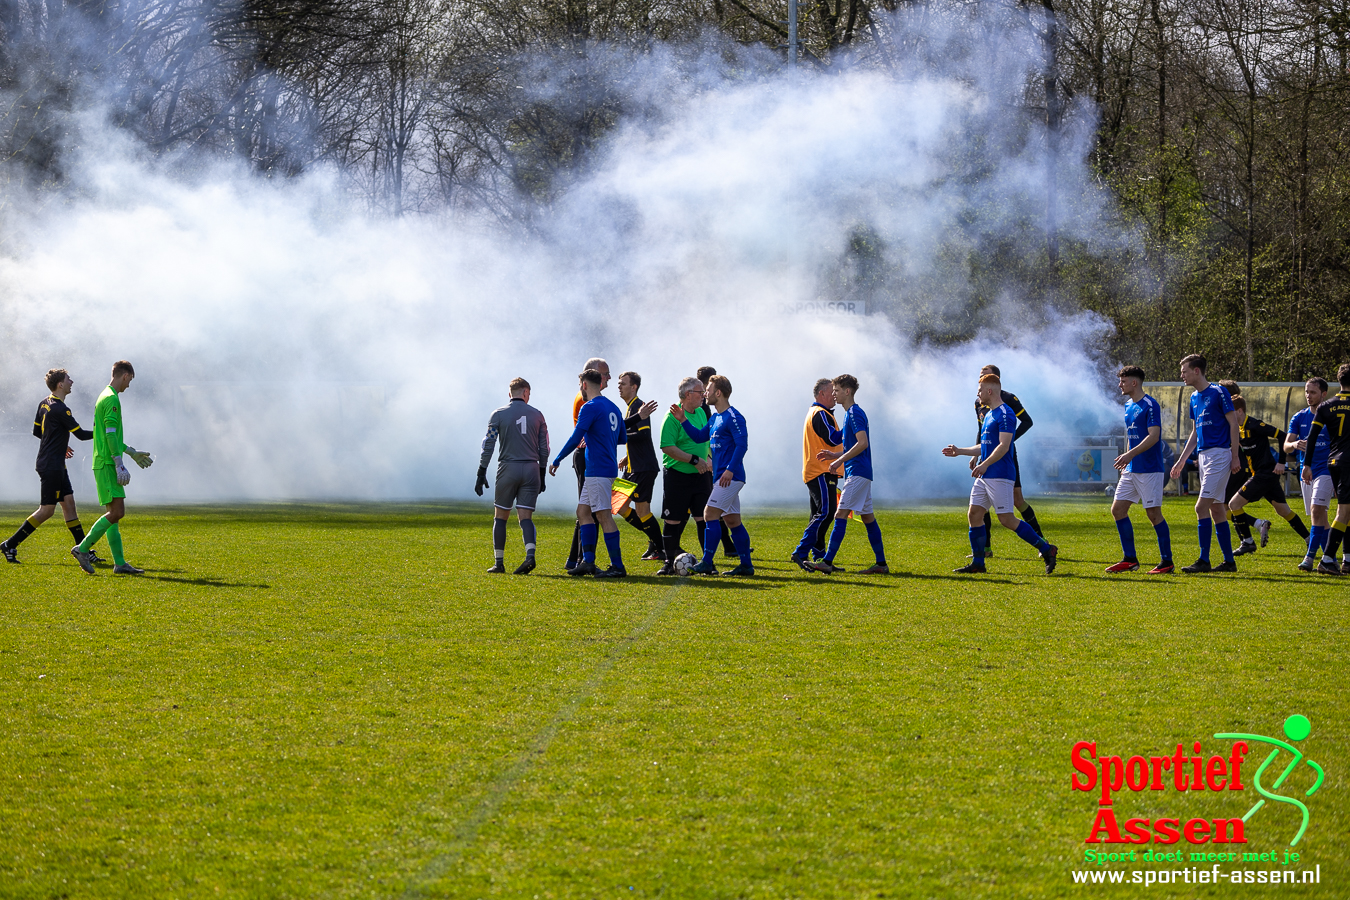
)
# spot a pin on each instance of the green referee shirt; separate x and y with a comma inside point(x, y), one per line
point(108, 441)
point(673, 433)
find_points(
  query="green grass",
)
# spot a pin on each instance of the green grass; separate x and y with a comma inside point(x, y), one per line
point(335, 701)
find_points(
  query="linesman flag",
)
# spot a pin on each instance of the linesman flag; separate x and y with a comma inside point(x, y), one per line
point(623, 491)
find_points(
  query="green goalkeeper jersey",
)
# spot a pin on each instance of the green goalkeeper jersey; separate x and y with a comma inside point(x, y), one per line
point(108, 439)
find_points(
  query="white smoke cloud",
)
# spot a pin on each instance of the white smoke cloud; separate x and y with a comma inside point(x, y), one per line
point(287, 346)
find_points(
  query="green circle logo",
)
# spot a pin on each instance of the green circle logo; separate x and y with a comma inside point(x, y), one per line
point(1297, 727)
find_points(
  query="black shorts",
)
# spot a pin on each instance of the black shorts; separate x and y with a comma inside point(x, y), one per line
point(55, 485)
point(1340, 476)
point(684, 494)
point(1263, 487)
point(1235, 482)
point(645, 482)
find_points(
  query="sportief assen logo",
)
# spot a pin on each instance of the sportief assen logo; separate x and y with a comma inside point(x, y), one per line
point(1189, 772)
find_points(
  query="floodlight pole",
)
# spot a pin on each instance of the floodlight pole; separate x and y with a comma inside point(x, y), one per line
point(792, 32)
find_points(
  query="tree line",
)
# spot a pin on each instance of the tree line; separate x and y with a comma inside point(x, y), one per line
point(1217, 125)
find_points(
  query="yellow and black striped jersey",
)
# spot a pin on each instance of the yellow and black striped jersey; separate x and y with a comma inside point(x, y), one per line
point(1334, 416)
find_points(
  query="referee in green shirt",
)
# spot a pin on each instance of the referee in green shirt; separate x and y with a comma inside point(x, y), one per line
point(685, 483)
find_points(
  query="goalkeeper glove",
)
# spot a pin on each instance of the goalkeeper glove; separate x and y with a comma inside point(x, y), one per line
point(140, 457)
point(123, 476)
point(482, 481)
point(543, 479)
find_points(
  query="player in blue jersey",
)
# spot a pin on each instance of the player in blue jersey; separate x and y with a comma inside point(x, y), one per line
point(727, 433)
point(1316, 496)
point(994, 473)
point(856, 460)
point(1215, 434)
point(1141, 473)
point(600, 424)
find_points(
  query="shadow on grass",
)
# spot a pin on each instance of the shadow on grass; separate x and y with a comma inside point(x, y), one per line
point(880, 581)
point(202, 581)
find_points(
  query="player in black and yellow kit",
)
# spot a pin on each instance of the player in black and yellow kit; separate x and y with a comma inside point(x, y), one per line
point(1243, 522)
point(640, 467)
point(1334, 416)
point(1024, 424)
point(1264, 471)
point(53, 426)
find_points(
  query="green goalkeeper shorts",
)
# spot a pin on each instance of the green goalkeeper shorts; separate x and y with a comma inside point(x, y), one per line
point(105, 477)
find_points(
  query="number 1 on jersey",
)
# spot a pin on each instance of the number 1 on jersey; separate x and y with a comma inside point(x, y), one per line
point(521, 423)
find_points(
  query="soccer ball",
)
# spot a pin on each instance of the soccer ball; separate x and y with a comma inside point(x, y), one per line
point(684, 563)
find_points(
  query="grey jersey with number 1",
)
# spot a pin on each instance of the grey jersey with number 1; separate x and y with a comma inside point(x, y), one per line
point(523, 434)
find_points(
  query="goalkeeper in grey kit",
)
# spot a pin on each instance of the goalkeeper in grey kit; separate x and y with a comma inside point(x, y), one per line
point(520, 471)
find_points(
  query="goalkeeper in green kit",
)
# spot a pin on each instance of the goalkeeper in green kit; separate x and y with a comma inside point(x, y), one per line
point(110, 474)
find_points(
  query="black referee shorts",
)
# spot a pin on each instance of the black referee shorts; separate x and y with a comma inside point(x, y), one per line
point(1263, 487)
point(55, 485)
point(684, 494)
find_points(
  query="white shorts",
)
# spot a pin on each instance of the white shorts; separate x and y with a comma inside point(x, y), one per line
point(1319, 493)
point(993, 493)
point(1214, 472)
point(727, 499)
point(1145, 488)
point(597, 493)
point(857, 495)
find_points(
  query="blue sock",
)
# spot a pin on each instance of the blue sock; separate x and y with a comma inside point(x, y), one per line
point(741, 539)
point(1206, 528)
point(1317, 539)
point(1126, 537)
point(808, 539)
point(612, 545)
point(712, 538)
point(874, 538)
point(1164, 540)
point(977, 545)
point(1225, 540)
point(836, 539)
point(1028, 534)
point(588, 535)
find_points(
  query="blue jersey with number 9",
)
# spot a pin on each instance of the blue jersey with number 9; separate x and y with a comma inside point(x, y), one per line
point(600, 423)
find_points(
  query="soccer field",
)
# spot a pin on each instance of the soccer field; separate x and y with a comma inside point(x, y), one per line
point(336, 701)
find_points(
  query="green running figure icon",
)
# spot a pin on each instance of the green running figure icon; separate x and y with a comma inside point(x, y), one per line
point(1296, 728)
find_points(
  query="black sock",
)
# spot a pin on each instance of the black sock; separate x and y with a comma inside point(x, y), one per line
point(575, 553)
point(24, 531)
point(76, 529)
point(727, 546)
point(652, 527)
point(700, 526)
point(632, 518)
point(671, 538)
point(1029, 516)
point(1299, 528)
point(1334, 538)
point(988, 531)
point(1242, 523)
